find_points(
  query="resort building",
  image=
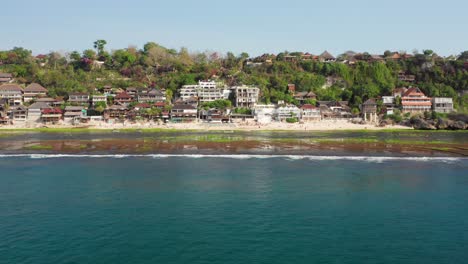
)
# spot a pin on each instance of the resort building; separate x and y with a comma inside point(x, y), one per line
point(183, 113)
point(123, 98)
point(442, 104)
point(310, 113)
point(369, 110)
point(116, 111)
point(326, 57)
point(51, 115)
point(205, 91)
point(35, 111)
point(287, 111)
point(6, 77)
point(414, 100)
point(73, 113)
point(78, 98)
point(33, 91)
point(99, 98)
point(154, 95)
point(264, 113)
point(388, 103)
point(301, 97)
point(246, 96)
point(13, 93)
point(19, 113)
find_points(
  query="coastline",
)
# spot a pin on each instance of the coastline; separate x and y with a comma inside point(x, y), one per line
point(321, 126)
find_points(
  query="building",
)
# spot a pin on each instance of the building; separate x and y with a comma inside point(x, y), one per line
point(97, 98)
point(188, 91)
point(310, 113)
point(35, 111)
point(154, 95)
point(74, 112)
point(19, 113)
point(264, 113)
point(51, 101)
point(51, 115)
point(414, 101)
point(287, 111)
point(123, 98)
point(6, 78)
point(78, 98)
point(302, 97)
point(369, 110)
point(183, 113)
point(388, 103)
point(4, 106)
point(326, 57)
point(12, 92)
point(205, 91)
point(246, 96)
point(33, 91)
point(116, 111)
point(442, 104)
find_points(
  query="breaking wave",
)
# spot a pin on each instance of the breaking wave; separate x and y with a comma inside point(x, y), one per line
point(238, 156)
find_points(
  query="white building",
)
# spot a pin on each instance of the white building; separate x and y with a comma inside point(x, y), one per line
point(264, 113)
point(205, 91)
point(287, 111)
point(246, 96)
point(442, 104)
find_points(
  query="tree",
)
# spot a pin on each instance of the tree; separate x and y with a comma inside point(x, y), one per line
point(99, 46)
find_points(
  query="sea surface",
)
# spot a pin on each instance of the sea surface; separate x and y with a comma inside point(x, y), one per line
point(232, 209)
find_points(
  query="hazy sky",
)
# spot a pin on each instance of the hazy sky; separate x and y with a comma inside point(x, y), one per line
point(254, 26)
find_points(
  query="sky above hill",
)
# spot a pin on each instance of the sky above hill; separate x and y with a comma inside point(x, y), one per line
point(253, 26)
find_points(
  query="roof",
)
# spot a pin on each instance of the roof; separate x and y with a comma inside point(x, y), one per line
point(45, 99)
point(143, 105)
point(117, 107)
point(78, 94)
point(39, 105)
point(184, 107)
point(308, 106)
point(35, 87)
point(413, 90)
point(19, 108)
point(6, 75)
point(74, 108)
point(326, 55)
point(11, 87)
point(370, 101)
point(156, 92)
point(123, 95)
point(49, 111)
point(160, 104)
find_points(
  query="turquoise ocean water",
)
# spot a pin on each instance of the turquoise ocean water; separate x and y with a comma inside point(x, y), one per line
point(232, 209)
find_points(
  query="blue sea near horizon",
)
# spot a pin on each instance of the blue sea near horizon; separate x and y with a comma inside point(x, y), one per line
point(232, 210)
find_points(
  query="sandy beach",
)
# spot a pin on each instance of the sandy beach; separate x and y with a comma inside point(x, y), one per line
point(324, 125)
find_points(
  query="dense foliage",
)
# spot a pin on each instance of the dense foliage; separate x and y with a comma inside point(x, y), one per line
point(157, 66)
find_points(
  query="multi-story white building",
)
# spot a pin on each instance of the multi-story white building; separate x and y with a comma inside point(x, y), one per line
point(288, 111)
point(246, 96)
point(13, 93)
point(442, 104)
point(205, 91)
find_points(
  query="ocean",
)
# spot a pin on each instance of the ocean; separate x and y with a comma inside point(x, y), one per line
point(232, 209)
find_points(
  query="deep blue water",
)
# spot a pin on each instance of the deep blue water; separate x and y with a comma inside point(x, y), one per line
point(223, 210)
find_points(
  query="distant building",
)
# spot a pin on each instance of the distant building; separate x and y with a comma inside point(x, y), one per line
point(12, 92)
point(183, 113)
point(98, 98)
point(369, 110)
point(442, 104)
point(414, 100)
point(33, 91)
point(326, 57)
point(388, 102)
point(301, 97)
point(264, 114)
point(123, 98)
point(6, 77)
point(310, 113)
point(287, 111)
point(205, 91)
point(246, 96)
point(19, 113)
point(78, 98)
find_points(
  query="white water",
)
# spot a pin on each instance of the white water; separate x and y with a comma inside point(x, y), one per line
point(237, 156)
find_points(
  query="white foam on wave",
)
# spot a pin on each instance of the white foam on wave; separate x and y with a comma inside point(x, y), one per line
point(377, 159)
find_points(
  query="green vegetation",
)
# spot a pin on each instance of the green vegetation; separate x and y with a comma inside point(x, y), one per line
point(157, 66)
